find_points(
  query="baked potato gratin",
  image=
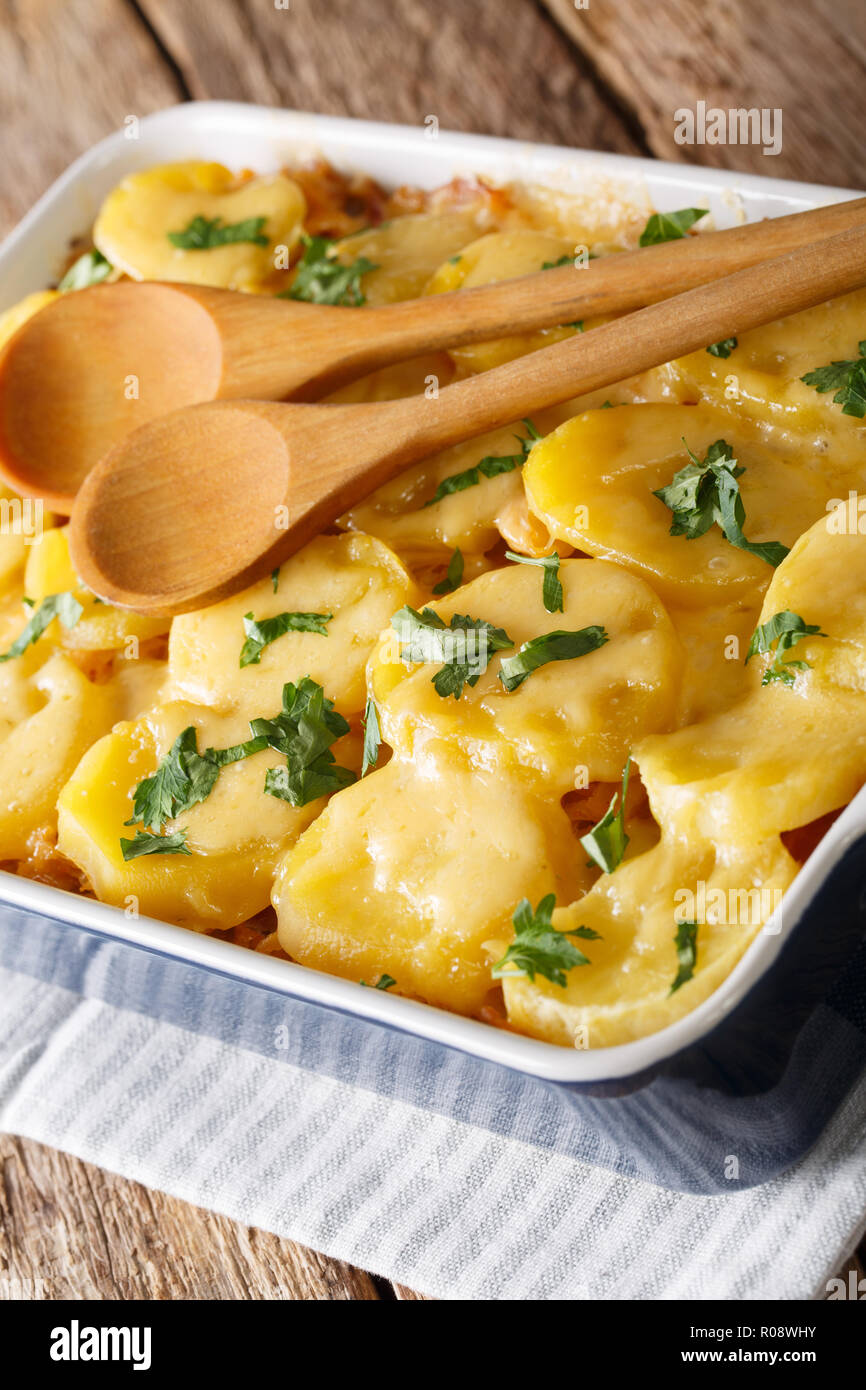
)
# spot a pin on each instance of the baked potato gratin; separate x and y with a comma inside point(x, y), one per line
point(542, 731)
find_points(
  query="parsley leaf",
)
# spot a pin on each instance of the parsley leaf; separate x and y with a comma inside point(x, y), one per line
point(551, 590)
point(465, 647)
point(204, 233)
point(262, 631)
point(63, 606)
point(184, 778)
point(551, 646)
point(686, 942)
point(606, 842)
point(706, 492)
point(562, 260)
point(538, 948)
point(785, 629)
point(723, 348)
point(489, 467)
point(383, 982)
point(847, 379)
point(321, 279)
point(670, 226)
point(153, 844)
point(89, 269)
point(275, 578)
point(454, 577)
point(372, 737)
point(303, 732)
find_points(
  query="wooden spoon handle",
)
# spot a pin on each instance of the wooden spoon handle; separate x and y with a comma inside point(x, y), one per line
point(397, 433)
point(610, 285)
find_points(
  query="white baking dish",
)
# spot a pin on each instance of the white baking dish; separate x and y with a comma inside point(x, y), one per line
point(264, 139)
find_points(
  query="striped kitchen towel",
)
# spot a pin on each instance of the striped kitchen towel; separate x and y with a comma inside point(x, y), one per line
point(343, 1141)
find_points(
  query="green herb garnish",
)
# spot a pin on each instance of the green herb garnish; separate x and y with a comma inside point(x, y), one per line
point(321, 279)
point(538, 948)
point(383, 982)
point(454, 577)
point(489, 467)
point(551, 589)
point(706, 492)
point(723, 348)
point(551, 646)
point(606, 842)
point(670, 226)
point(785, 630)
point(204, 233)
point(145, 843)
point(566, 259)
point(184, 778)
point(261, 632)
point(275, 578)
point(372, 737)
point(465, 646)
point(847, 379)
point(63, 606)
point(686, 942)
point(303, 732)
point(89, 269)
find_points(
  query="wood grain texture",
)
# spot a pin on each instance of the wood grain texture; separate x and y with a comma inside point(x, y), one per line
point(69, 1230)
point(806, 57)
point(71, 73)
point(499, 68)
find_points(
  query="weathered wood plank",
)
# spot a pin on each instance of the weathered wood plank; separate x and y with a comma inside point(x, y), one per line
point(500, 68)
point(806, 58)
point(70, 1230)
point(70, 75)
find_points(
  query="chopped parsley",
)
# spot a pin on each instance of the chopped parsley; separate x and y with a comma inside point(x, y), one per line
point(261, 632)
point(90, 269)
point(670, 226)
point(707, 492)
point(465, 646)
point(785, 630)
point(275, 578)
point(184, 778)
point(321, 279)
point(303, 732)
point(489, 467)
point(847, 379)
point(204, 233)
point(63, 606)
point(565, 259)
point(383, 982)
point(686, 943)
point(372, 737)
point(145, 843)
point(551, 646)
point(551, 589)
point(538, 948)
point(454, 577)
point(606, 842)
point(723, 348)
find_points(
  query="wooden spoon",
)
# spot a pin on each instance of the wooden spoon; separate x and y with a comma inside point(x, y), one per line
point(96, 364)
point(198, 504)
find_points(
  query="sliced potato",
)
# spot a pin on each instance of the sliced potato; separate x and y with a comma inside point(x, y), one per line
point(571, 721)
point(592, 482)
point(410, 871)
point(133, 225)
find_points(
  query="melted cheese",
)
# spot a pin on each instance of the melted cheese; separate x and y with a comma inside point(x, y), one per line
point(412, 870)
point(133, 224)
point(592, 482)
point(571, 721)
point(356, 578)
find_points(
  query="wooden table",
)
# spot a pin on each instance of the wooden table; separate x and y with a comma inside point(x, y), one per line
point(606, 77)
